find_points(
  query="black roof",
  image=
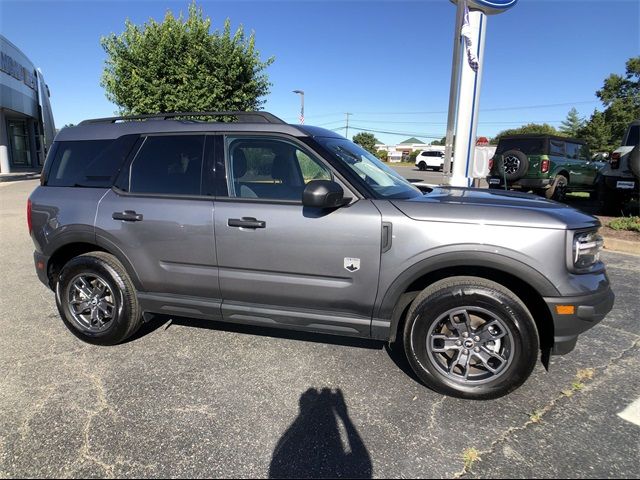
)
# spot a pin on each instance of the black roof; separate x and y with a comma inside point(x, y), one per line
point(542, 135)
point(114, 127)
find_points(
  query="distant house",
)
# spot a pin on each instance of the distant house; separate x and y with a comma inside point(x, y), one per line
point(401, 151)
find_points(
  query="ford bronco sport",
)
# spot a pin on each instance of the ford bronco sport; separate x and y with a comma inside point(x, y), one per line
point(260, 222)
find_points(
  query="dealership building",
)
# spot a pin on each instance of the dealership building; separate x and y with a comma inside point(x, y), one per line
point(26, 120)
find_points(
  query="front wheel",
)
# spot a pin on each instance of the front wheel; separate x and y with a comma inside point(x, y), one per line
point(97, 300)
point(472, 338)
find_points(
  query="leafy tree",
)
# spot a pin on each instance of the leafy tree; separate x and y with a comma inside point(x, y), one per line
point(413, 155)
point(383, 155)
point(572, 125)
point(597, 133)
point(439, 142)
point(526, 129)
point(621, 97)
point(367, 141)
point(179, 65)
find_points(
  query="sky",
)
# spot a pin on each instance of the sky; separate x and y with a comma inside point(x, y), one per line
point(386, 62)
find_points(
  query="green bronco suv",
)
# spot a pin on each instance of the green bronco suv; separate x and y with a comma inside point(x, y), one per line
point(546, 164)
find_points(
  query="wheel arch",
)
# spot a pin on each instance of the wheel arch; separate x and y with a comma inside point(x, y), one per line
point(73, 247)
point(524, 281)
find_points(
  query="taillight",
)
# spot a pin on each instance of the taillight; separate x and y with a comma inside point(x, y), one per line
point(491, 163)
point(615, 160)
point(29, 215)
point(544, 166)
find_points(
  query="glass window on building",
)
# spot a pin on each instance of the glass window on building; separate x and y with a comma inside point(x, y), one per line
point(19, 141)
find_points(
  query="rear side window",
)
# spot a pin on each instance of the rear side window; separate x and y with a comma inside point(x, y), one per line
point(556, 147)
point(573, 150)
point(169, 164)
point(634, 136)
point(75, 162)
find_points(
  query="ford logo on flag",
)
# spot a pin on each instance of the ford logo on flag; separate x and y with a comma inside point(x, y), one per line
point(490, 6)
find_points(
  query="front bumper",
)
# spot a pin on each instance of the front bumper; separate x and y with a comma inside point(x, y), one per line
point(589, 310)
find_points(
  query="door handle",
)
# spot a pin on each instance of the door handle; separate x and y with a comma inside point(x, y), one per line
point(246, 222)
point(127, 216)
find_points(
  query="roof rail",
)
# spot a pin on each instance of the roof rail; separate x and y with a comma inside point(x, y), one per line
point(241, 117)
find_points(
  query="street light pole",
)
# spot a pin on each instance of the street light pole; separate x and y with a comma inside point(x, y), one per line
point(301, 92)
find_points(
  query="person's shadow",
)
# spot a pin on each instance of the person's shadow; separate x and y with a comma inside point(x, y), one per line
point(312, 446)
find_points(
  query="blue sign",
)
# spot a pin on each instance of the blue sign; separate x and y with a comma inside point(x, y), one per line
point(490, 7)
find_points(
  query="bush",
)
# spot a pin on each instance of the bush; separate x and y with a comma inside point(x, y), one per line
point(631, 224)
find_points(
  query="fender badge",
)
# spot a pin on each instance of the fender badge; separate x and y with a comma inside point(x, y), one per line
point(352, 264)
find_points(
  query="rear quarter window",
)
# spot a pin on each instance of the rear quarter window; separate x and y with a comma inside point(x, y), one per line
point(88, 163)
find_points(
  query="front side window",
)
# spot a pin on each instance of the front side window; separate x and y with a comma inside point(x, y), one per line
point(169, 164)
point(269, 168)
point(384, 181)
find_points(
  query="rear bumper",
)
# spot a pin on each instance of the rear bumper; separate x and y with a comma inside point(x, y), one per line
point(589, 310)
point(627, 184)
point(41, 262)
point(524, 183)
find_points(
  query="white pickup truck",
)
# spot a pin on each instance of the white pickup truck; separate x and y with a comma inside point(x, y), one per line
point(621, 176)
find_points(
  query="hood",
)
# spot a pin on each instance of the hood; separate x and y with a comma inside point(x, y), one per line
point(493, 207)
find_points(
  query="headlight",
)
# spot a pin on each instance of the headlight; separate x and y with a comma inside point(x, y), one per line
point(586, 249)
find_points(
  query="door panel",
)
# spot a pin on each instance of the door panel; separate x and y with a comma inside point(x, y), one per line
point(172, 247)
point(297, 262)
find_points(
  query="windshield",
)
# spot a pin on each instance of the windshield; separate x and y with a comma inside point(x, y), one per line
point(384, 181)
point(528, 146)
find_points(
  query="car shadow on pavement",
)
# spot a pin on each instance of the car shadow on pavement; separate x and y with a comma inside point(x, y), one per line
point(165, 321)
point(322, 442)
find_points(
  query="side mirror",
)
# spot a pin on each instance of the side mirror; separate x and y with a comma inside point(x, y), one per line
point(323, 194)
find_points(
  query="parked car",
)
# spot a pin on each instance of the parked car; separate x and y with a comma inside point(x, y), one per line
point(291, 226)
point(548, 165)
point(621, 175)
point(430, 160)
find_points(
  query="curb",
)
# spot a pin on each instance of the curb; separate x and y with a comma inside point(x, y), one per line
point(9, 177)
point(624, 246)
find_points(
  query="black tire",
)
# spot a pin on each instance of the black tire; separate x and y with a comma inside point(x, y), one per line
point(520, 344)
point(422, 166)
point(126, 315)
point(515, 165)
point(558, 191)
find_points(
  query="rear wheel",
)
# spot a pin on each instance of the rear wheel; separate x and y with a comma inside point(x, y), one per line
point(558, 191)
point(422, 166)
point(472, 338)
point(97, 300)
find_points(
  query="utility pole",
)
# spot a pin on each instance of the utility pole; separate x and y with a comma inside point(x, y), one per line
point(347, 127)
point(301, 93)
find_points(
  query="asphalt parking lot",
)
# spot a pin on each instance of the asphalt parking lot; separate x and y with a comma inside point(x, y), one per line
point(188, 398)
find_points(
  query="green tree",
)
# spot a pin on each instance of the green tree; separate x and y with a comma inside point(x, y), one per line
point(413, 155)
point(597, 133)
point(382, 155)
point(621, 98)
point(439, 142)
point(179, 65)
point(527, 129)
point(367, 141)
point(572, 125)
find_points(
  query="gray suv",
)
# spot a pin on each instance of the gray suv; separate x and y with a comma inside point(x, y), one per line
point(251, 220)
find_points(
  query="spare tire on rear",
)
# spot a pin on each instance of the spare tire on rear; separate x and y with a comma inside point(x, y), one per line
point(515, 165)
